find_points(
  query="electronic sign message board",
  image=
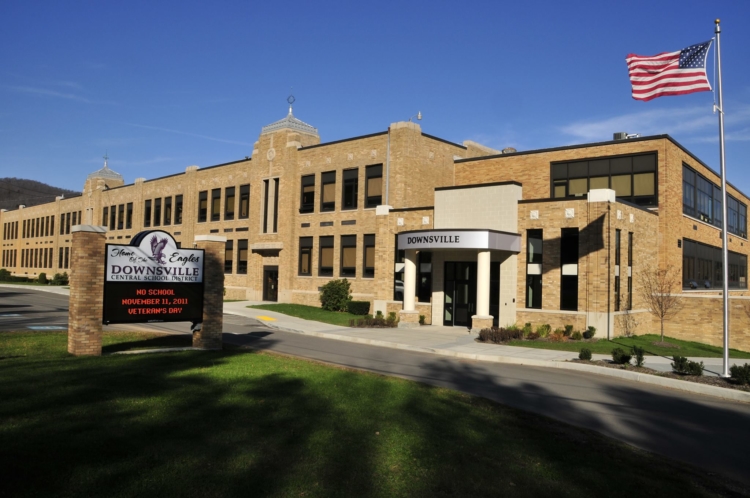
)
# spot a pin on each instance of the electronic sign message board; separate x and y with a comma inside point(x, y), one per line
point(151, 280)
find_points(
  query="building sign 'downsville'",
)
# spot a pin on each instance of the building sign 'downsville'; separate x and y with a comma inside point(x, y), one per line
point(151, 280)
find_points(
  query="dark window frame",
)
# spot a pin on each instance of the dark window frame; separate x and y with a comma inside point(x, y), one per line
point(307, 194)
point(534, 282)
point(699, 204)
point(147, 213)
point(327, 178)
point(372, 172)
point(244, 202)
point(368, 245)
point(202, 206)
point(348, 242)
point(216, 204)
point(350, 189)
point(228, 262)
point(305, 251)
point(325, 242)
point(242, 245)
point(178, 209)
point(230, 201)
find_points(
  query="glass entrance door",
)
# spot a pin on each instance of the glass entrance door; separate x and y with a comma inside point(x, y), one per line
point(270, 283)
point(460, 295)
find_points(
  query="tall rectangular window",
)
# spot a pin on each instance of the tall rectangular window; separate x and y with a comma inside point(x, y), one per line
point(67, 224)
point(129, 216)
point(216, 204)
point(67, 257)
point(275, 205)
point(147, 214)
point(328, 191)
point(307, 194)
point(424, 276)
point(228, 256)
point(178, 210)
point(266, 190)
point(244, 202)
point(120, 216)
point(618, 269)
point(229, 202)
point(105, 216)
point(630, 270)
point(112, 217)
point(305, 256)
point(46, 226)
point(534, 245)
point(348, 256)
point(242, 256)
point(325, 258)
point(351, 189)
point(374, 186)
point(202, 206)
point(167, 211)
point(368, 267)
point(569, 277)
point(60, 258)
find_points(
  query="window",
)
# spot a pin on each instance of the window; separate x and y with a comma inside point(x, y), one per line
point(202, 206)
point(633, 178)
point(229, 201)
point(617, 269)
point(328, 191)
point(228, 255)
point(178, 210)
point(534, 246)
point(569, 262)
point(307, 194)
point(129, 216)
point(105, 216)
point(216, 204)
point(242, 256)
point(325, 259)
point(702, 268)
point(350, 190)
point(424, 276)
point(305, 256)
point(368, 268)
point(167, 211)
point(157, 212)
point(630, 270)
point(244, 202)
point(701, 199)
point(67, 225)
point(374, 186)
point(266, 185)
point(275, 205)
point(120, 216)
point(112, 217)
point(147, 214)
point(348, 255)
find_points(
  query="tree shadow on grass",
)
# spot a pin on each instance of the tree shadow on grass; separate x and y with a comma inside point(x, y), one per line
point(161, 341)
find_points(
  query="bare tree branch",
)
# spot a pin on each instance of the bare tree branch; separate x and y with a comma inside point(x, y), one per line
point(658, 289)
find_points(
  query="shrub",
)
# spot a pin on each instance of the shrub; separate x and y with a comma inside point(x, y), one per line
point(379, 314)
point(568, 330)
point(682, 365)
point(557, 336)
point(544, 330)
point(740, 375)
point(638, 354)
point(526, 329)
point(42, 278)
point(4, 275)
point(60, 279)
point(533, 336)
point(392, 320)
point(358, 307)
point(335, 295)
point(499, 335)
point(369, 322)
point(576, 336)
point(585, 354)
point(422, 319)
point(620, 357)
point(590, 332)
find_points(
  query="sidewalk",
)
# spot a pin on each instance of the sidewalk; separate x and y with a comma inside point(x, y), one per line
point(448, 341)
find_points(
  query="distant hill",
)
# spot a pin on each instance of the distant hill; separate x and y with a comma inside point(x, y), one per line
point(15, 191)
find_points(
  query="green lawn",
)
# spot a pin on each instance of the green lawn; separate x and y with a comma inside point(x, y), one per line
point(310, 313)
point(241, 423)
point(604, 346)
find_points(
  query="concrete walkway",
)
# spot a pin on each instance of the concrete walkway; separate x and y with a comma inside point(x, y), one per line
point(449, 341)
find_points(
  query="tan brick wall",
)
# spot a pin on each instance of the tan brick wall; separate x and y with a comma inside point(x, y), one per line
point(85, 310)
point(209, 337)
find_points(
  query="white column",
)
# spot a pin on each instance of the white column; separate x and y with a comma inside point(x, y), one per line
point(410, 279)
point(483, 283)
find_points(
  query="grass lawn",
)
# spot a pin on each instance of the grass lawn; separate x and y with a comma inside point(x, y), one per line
point(310, 313)
point(242, 423)
point(603, 346)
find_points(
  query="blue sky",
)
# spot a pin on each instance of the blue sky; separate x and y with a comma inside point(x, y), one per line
point(165, 85)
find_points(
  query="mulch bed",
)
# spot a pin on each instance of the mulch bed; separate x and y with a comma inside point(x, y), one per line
point(710, 380)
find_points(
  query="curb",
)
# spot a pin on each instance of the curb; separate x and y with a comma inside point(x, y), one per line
point(160, 350)
point(681, 385)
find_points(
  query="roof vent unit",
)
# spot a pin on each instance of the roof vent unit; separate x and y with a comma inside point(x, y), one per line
point(620, 135)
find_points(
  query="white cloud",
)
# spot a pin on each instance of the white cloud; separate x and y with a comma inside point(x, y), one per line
point(178, 132)
point(53, 93)
point(691, 122)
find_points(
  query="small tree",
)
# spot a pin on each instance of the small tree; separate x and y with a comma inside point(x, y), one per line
point(626, 320)
point(656, 291)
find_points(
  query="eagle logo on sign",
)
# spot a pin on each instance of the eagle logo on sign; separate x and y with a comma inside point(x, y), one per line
point(157, 249)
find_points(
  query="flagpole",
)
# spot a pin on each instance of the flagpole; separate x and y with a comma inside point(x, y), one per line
point(724, 253)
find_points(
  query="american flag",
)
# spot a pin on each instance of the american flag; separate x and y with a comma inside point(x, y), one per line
point(669, 73)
